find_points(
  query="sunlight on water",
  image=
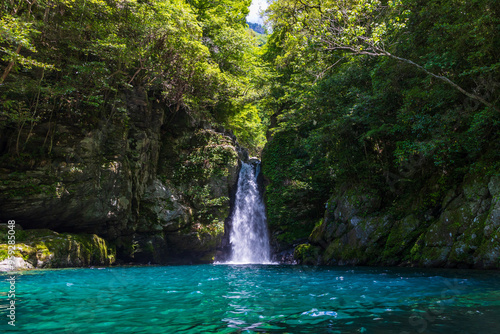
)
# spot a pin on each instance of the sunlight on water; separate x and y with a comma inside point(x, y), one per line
point(244, 263)
point(253, 299)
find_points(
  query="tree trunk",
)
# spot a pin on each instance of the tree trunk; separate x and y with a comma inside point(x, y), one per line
point(9, 67)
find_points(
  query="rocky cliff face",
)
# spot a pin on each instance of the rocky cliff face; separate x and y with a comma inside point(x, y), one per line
point(154, 183)
point(464, 232)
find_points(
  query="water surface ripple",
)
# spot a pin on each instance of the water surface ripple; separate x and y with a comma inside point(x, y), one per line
point(254, 299)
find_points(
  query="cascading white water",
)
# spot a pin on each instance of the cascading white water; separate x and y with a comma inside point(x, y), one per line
point(249, 237)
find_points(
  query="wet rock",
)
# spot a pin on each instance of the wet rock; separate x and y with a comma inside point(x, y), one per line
point(48, 249)
point(465, 233)
point(15, 264)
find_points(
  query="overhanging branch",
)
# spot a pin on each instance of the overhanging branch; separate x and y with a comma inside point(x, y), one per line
point(373, 51)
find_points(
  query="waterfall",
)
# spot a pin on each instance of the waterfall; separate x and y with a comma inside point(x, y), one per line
point(249, 237)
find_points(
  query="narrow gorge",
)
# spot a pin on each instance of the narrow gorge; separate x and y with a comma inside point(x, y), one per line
point(126, 139)
point(249, 166)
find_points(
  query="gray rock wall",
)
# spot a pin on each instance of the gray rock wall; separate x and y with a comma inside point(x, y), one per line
point(464, 233)
point(127, 178)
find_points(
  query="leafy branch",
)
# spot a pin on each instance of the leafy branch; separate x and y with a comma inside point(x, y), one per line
point(365, 27)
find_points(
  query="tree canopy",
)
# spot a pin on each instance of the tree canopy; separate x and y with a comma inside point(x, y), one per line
point(385, 95)
point(64, 58)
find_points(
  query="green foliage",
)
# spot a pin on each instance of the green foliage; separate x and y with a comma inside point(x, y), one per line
point(17, 33)
point(75, 58)
point(248, 127)
point(306, 254)
point(235, 49)
point(344, 115)
point(205, 160)
point(299, 186)
point(210, 155)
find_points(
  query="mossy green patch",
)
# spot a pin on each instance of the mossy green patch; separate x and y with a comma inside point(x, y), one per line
point(48, 249)
point(401, 237)
point(332, 252)
point(316, 235)
point(306, 254)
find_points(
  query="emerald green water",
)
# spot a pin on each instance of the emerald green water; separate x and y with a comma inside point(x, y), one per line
point(252, 299)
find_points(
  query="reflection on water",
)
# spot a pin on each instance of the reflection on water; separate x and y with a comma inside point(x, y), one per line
point(255, 298)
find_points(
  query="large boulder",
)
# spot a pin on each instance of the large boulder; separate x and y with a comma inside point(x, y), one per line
point(42, 248)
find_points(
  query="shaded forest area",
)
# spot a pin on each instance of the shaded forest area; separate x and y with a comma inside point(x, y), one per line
point(393, 99)
point(384, 111)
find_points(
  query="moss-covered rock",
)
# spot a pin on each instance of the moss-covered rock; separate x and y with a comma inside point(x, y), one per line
point(141, 179)
point(188, 203)
point(307, 254)
point(401, 236)
point(463, 233)
point(199, 245)
point(48, 249)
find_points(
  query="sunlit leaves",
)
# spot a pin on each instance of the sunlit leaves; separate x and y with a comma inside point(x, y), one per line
point(15, 34)
point(194, 55)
